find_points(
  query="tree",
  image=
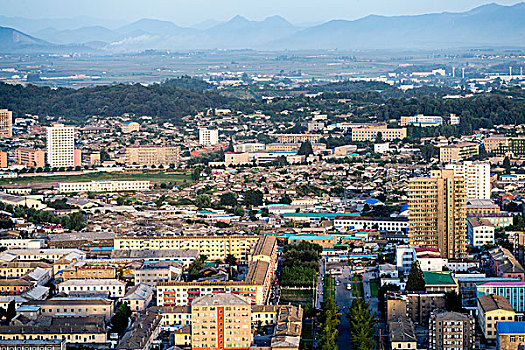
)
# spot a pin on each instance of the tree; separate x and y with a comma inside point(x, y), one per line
point(329, 321)
point(253, 197)
point(11, 311)
point(120, 320)
point(203, 201)
point(453, 301)
point(239, 211)
point(230, 260)
point(379, 137)
point(361, 325)
point(506, 165)
point(416, 279)
point(228, 199)
point(305, 149)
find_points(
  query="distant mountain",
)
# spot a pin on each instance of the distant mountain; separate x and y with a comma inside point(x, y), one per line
point(241, 33)
point(205, 25)
point(80, 35)
point(152, 27)
point(12, 40)
point(488, 25)
point(34, 25)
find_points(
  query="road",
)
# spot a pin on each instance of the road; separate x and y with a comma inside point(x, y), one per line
point(343, 299)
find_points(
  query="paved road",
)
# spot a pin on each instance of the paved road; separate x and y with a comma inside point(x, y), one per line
point(343, 299)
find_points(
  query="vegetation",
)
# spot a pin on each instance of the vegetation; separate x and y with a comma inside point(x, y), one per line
point(361, 325)
point(416, 279)
point(329, 320)
point(305, 149)
point(196, 266)
point(228, 199)
point(120, 320)
point(253, 198)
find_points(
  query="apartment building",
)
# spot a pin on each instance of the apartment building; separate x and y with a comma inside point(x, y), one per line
point(437, 216)
point(249, 147)
point(144, 332)
point(480, 232)
point(451, 330)
point(26, 344)
point(82, 272)
point(6, 123)
point(30, 157)
point(362, 223)
point(215, 247)
point(75, 307)
point(153, 273)
point(402, 334)
point(41, 254)
point(502, 145)
point(115, 288)
point(255, 286)
point(296, 138)
point(208, 137)
point(153, 155)
point(477, 178)
point(491, 310)
point(370, 133)
point(104, 186)
point(138, 297)
point(60, 146)
point(17, 269)
point(90, 331)
point(415, 306)
point(457, 152)
point(221, 321)
point(513, 291)
point(3, 160)
point(13, 243)
point(421, 120)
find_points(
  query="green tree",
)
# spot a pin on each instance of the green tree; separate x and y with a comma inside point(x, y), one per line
point(453, 301)
point(253, 197)
point(203, 201)
point(239, 211)
point(120, 320)
point(361, 325)
point(228, 199)
point(11, 311)
point(506, 165)
point(305, 149)
point(379, 137)
point(416, 279)
point(329, 321)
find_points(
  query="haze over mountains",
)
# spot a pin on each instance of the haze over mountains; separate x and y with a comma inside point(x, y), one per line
point(488, 25)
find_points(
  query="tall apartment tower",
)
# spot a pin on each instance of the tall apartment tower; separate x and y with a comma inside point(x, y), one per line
point(221, 322)
point(61, 146)
point(437, 216)
point(208, 137)
point(6, 123)
point(477, 178)
point(451, 330)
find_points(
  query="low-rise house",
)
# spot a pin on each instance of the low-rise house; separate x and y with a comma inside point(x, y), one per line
point(511, 335)
point(436, 281)
point(143, 333)
point(138, 297)
point(76, 307)
point(402, 334)
point(115, 288)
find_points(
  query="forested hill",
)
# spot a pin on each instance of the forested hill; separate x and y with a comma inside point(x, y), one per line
point(162, 101)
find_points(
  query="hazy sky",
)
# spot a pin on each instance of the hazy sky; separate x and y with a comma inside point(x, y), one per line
point(187, 12)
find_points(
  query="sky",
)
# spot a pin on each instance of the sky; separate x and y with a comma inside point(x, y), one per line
point(189, 12)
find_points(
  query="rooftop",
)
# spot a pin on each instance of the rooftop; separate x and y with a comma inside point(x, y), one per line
point(494, 302)
point(437, 277)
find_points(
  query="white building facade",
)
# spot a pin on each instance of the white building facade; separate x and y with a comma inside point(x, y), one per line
point(208, 137)
point(477, 178)
point(60, 146)
point(103, 186)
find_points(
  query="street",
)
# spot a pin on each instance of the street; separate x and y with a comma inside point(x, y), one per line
point(343, 299)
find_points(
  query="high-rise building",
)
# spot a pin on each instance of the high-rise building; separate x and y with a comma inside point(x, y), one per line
point(6, 123)
point(458, 152)
point(208, 137)
point(437, 216)
point(451, 330)
point(153, 155)
point(221, 321)
point(61, 146)
point(477, 178)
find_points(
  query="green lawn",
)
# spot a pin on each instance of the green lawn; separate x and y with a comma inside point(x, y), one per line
point(374, 288)
point(154, 177)
point(357, 289)
point(329, 286)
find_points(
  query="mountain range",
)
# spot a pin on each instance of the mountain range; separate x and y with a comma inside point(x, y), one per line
point(485, 26)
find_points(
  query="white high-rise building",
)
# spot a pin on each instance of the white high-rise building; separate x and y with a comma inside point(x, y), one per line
point(60, 146)
point(208, 137)
point(477, 178)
